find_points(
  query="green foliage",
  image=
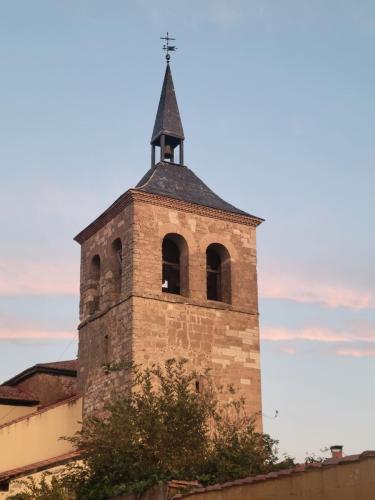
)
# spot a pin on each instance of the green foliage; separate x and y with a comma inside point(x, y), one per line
point(48, 488)
point(164, 429)
point(313, 458)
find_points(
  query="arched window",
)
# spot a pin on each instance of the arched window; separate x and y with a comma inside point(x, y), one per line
point(94, 283)
point(218, 273)
point(175, 264)
point(117, 264)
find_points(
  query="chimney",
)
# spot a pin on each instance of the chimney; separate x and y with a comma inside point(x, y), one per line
point(336, 451)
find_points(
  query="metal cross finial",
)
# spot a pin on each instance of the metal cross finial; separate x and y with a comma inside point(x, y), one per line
point(168, 48)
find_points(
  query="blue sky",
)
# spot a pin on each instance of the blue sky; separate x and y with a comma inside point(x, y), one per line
point(278, 110)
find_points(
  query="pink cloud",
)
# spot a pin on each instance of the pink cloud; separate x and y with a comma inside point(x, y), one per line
point(316, 334)
point(309, 290)
point(288, 350)
point(29, 277)
point(356, 353)
point(27, 334)
point(12, 328)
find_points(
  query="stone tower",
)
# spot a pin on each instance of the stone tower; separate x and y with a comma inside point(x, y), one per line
point(169, 270)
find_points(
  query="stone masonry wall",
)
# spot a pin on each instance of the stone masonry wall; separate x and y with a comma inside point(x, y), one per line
point(224, 337)
point(226, 341)
point(105, 343)
point(105, 338)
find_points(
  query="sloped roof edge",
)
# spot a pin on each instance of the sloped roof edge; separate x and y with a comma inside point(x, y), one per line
point(181, 183)
point(38, 466)
point(154, 183)
point(66, 368)
point(16, 397)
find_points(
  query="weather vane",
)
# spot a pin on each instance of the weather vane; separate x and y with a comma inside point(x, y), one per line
point(168, 48)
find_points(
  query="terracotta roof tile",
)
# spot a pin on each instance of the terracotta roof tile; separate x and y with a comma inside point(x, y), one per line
point(38, 466)
point(70, 364)
point(13, 394)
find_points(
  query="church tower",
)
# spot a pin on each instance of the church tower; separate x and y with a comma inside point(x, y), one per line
point(169, 270)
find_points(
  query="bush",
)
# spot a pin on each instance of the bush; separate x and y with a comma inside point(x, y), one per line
point(48, 488)
point(164, 429)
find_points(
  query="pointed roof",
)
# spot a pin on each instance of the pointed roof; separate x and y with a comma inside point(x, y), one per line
point(168, 120)
point(171, 181)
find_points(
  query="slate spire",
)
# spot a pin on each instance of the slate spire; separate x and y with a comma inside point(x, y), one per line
point(168, 132)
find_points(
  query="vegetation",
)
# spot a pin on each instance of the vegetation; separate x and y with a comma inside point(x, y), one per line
point(165, 429)
point(48, 488)
point(313, 458)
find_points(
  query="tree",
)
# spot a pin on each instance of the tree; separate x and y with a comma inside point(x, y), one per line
point(163, 428)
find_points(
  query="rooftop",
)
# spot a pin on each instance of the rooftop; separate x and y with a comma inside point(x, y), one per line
point(14, 396)
point(181, 183)
point(67, 368)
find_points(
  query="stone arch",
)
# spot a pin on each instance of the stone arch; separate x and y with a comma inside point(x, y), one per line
point(220, 238)
point(218, 273)
point(175, 264)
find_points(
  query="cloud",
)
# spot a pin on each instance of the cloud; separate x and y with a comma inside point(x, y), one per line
point(227, 12)
point(11, 328)
point(288, 349)
point(317, 334)
point(356, 353)
point(34, 334)
point(356, 339)
point(31, 277)
point(310, 291)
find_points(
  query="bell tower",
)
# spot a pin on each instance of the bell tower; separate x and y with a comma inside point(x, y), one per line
point(169, 270)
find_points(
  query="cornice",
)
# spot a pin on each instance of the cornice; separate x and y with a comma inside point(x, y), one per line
point(164, 201)
point(111, 212)
point(174, 203)
point(172, 299)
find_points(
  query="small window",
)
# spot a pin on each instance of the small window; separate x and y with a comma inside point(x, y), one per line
point(218, 273)
point(175, 265)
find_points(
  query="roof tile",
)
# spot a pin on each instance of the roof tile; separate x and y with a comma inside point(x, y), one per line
point(10, 394)
point(179, 182)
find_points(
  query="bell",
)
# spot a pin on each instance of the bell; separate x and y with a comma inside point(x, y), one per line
point(168, 153)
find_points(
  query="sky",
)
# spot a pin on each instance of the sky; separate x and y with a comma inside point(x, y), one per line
point(277, 104)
